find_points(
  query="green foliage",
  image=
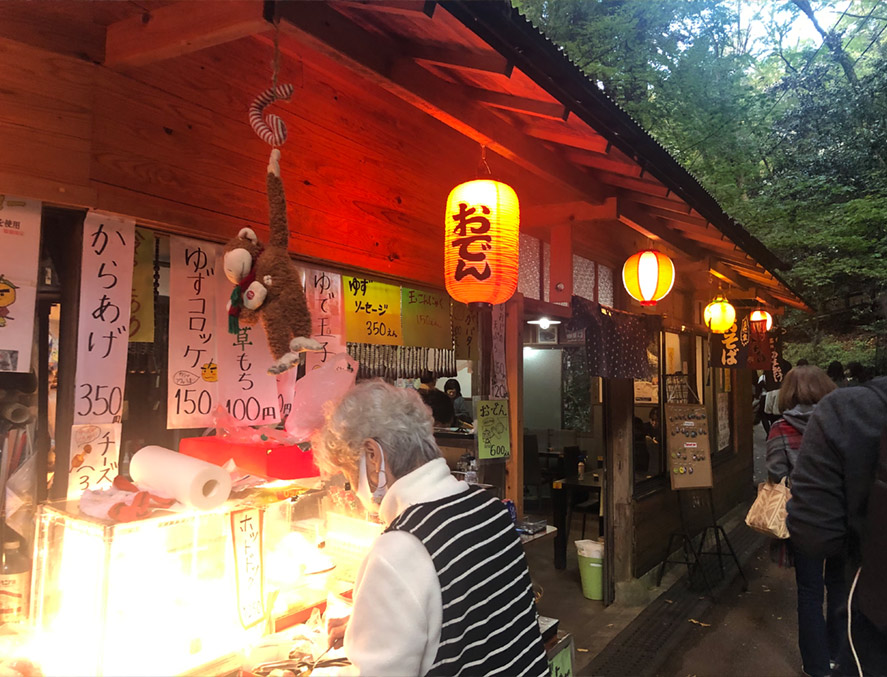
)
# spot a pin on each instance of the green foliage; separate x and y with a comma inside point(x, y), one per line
point(791, 138)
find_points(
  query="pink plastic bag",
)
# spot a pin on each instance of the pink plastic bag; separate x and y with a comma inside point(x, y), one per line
point(314, 390)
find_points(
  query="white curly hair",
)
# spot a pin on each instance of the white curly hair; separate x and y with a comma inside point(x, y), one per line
point(396, 418)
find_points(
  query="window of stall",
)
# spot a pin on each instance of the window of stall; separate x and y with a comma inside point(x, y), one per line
point(679, 377)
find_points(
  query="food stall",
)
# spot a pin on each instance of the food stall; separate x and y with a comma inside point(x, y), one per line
point(137, 151)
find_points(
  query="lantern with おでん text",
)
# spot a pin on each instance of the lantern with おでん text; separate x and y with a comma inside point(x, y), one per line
point(719, 315)
point(648, 276)
point(481, 240)
point(761, 321)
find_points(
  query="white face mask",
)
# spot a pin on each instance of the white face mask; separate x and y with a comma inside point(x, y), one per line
point(371, 499)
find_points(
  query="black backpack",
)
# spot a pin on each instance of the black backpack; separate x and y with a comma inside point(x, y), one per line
point(872, 584)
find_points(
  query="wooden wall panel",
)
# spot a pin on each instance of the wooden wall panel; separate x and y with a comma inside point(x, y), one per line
point(45, 124)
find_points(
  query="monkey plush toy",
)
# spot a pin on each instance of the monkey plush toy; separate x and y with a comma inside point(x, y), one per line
point(268, 284)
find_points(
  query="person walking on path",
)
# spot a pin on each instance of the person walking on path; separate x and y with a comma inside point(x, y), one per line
point(819, 639)
point(831, 507)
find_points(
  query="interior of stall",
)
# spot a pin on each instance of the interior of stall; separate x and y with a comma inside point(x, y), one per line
point(186, 576)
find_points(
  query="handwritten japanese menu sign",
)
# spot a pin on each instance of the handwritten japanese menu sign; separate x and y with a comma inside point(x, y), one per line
point(246, 532)
point(192, 392)
point(141, 320)
point(372, 312)
point(464, 332)
point(103, 329)
point(498, 382)
point(425, 316)
point(20, 244)
point(94, 453)
point(323, 292)
point(240, 366)
point(492, 424)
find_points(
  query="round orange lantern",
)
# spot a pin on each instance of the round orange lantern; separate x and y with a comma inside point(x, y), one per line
point(648, 276)
point(481, 242)
point(761, 321)
point(719, 315)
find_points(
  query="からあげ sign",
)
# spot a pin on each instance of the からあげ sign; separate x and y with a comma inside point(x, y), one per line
point(103, 326)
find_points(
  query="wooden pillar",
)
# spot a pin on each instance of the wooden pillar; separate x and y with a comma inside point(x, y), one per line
point(64, 237)
point(561, 272)
point(619, 399)
point(514, 368)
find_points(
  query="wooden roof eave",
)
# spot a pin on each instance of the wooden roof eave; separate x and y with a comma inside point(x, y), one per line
point(508, 32)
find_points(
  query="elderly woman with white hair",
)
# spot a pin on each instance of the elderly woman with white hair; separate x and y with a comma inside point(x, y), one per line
point(445, 589)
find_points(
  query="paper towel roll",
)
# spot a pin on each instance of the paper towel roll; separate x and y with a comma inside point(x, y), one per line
point(16, 413)
point(189, 480)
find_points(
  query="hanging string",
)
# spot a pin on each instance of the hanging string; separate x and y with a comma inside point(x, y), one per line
point(275, 59)
point(483, 169)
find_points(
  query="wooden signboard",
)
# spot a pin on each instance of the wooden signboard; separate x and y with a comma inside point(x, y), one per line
point(686, 428)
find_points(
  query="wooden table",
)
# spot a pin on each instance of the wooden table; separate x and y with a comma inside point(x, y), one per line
point(561, 498)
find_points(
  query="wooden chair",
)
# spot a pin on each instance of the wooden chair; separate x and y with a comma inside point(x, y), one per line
point(585, 504)
point(533, 476)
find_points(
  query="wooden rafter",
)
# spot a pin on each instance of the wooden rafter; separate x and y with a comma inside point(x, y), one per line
point(409, 8)
point(538, 216)
point(487, 61)
point(565, 136)
point(332, 34)
point(180, 28)
point(518, 104)
point(604, 162)
point(668, 203)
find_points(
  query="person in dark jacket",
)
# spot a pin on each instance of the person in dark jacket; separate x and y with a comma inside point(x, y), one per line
point(461, 406)
point(831, 483)
point(819, 639)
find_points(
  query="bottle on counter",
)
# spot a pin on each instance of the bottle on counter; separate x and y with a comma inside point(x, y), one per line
point(581, 469)
point(15, 580)
point(471, 474)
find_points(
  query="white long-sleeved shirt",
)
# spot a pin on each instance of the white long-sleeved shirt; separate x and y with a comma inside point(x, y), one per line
point(395, 624)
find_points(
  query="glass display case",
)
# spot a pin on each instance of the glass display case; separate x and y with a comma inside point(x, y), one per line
point(176, 592)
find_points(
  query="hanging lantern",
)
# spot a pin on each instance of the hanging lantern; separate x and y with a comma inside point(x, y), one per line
point(719, 315)
point(648, 276)
point(481, 242)
point(761, 321)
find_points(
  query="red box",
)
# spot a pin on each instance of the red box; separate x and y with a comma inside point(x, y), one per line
point(268, 459)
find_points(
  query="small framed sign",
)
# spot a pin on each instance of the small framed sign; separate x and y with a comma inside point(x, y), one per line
point(548, 335)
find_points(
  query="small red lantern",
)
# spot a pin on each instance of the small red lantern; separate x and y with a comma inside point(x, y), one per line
point(481, 242)
point(761, 321)
point(648, 276)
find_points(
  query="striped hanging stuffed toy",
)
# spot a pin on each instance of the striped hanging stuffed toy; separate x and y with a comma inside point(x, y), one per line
point(271, 128)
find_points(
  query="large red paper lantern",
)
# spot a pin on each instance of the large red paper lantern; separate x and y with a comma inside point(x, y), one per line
point(719, 315)
point(761, 321)
point(648, 276)
point(481, 242)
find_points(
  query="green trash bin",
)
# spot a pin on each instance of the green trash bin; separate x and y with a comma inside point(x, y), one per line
point(591, 568)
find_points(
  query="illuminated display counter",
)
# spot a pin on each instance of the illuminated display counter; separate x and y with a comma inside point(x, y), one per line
point(179, 591)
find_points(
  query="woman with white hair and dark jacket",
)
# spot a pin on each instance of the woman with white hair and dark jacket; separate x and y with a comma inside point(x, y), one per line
point(445, 589)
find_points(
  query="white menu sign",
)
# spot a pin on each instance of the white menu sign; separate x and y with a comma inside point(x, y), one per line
point(103, 326)
point(192, 392)
point(20, 244)
point(246, 389)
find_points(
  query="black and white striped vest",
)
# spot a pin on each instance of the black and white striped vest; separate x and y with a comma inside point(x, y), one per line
point(489, 624)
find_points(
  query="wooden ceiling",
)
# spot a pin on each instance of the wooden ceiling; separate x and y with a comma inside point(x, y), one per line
point(426, 55)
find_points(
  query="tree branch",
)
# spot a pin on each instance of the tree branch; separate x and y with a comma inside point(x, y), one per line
point(832, 41)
